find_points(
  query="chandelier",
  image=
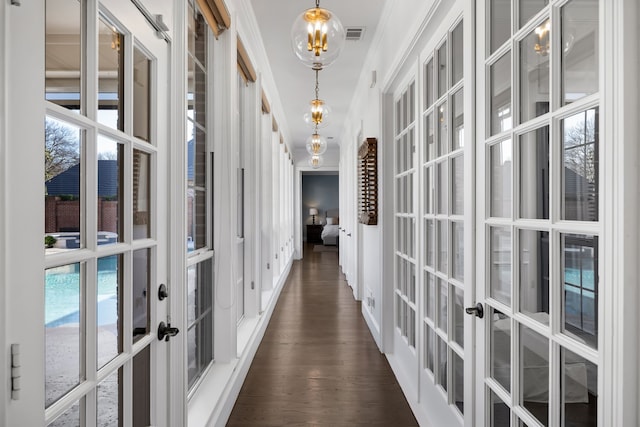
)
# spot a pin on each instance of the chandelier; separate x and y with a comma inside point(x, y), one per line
point(317, 37)
point(318, 112)
point(315, 162)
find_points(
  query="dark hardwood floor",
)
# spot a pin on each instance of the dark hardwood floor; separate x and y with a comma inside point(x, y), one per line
point(318, 364)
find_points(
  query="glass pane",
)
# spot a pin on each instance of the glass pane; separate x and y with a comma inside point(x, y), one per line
point(430, 146)
point(430, 353)
point(534, 274)
point(442, 362)
point(63, 63)
point(197, 217)
point(580, 296)
point(581, 166)
point(109, 401)
point(443, 188)
point(109, 303)
point(141, 195)
point(457, 249)
point(430, 190)
point(398, 117)
point(442, 246)
point(199, 318)
point(62, 172)
point(500, 270)
point(141, 388)
point(501, 158)
point(63, 326)
point(110, 203)
point(197, 36)
point(458, 316)
point(457, 185)
point(430, 240)
point(457, 110)
point(430, 295)
point(579, 390)
point(443, 304)
point(534, 174)
point(457, 56)
point(141, 95)
point(110, 76)
point(442, 69)
point(579, 49)
point(443, 141)
point(428, 87)
point(500, 413)
point(141, 288)
point(501, 348)
point(534, 73)
point(529, 8)
point(500, 23)
point(458, 386)
point(70, 418)
point(534, 373)
point(501, 95)
point(412, 103)
point(200, 348)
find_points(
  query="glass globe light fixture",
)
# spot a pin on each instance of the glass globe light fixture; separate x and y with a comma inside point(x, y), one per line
point(317, 116)
point(316, 161)
point(317, 37)
point(316, 144)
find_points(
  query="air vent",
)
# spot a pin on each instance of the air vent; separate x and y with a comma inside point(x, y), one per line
point(354, 33)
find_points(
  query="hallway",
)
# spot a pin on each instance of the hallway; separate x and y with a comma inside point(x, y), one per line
point(318, 364)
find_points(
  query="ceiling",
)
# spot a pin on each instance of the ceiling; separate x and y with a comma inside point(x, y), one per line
point(295, 82)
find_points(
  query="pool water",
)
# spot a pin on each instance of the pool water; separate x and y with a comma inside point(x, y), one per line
point(63, 290)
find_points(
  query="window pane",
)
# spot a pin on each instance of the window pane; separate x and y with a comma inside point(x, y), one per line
point(429, 98)
point(534, 73)
point(579, 49)
point(142, 388)
point(458, 316)
point(442, 246)
point(141, 289)
point(501, 95)
point(430, 240)
point(529, 8)
point(110, 171)
point(457, 248)
point(430, 296)
point(581, 164)
point(197, 36)
point(430, 353)
point(457, 111)
point(500, 270)
point(64, 320)
point(430, 146)
point(63, 61)
point(500, 413)
point(443, 304)
point(109, 400)
point(63, 197)
point(442, 70)
point(110, 76)
point(457, 185)
point(534, 373)
point(442, 362)
point(501, 348)
point(199, 318)
point(141, 195)
point(580, 296)
point(109, 303)
point(458, 386)
point(534, 274)
point(501, 155)
point(141, 95)
point(70, 418)
point(534, 174)
point(429, 190)
point(443, 140)
point(457, 54)
point(500, 23)
point(443, 188)
point(579, 390)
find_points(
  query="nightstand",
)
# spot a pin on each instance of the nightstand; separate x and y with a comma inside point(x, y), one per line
point(314, 233)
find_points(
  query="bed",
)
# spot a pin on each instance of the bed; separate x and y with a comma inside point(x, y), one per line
point(331, 228)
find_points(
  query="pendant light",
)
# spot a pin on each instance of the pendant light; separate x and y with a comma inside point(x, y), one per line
point(316, 144)
point(317, 37)
point(318, 112)
point(315, 161)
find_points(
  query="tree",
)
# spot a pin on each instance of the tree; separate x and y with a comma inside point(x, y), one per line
point(62, 148)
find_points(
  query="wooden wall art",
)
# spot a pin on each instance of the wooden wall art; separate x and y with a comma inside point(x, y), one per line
point(368, 182)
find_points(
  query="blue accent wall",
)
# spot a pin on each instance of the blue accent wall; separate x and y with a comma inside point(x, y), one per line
point(321, 192)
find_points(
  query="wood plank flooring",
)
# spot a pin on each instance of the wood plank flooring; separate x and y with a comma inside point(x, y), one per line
point(318, 364)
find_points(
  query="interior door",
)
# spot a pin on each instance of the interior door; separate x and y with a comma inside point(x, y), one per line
point(105, 212)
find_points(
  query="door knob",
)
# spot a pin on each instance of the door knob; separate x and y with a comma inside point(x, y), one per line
point(162, 292)
point(165, 331)
point(478, 310)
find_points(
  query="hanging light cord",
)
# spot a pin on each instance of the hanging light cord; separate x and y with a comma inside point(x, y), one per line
point(317, 3)
point(317, 86)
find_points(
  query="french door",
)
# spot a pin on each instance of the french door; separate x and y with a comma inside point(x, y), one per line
point(104, 214)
